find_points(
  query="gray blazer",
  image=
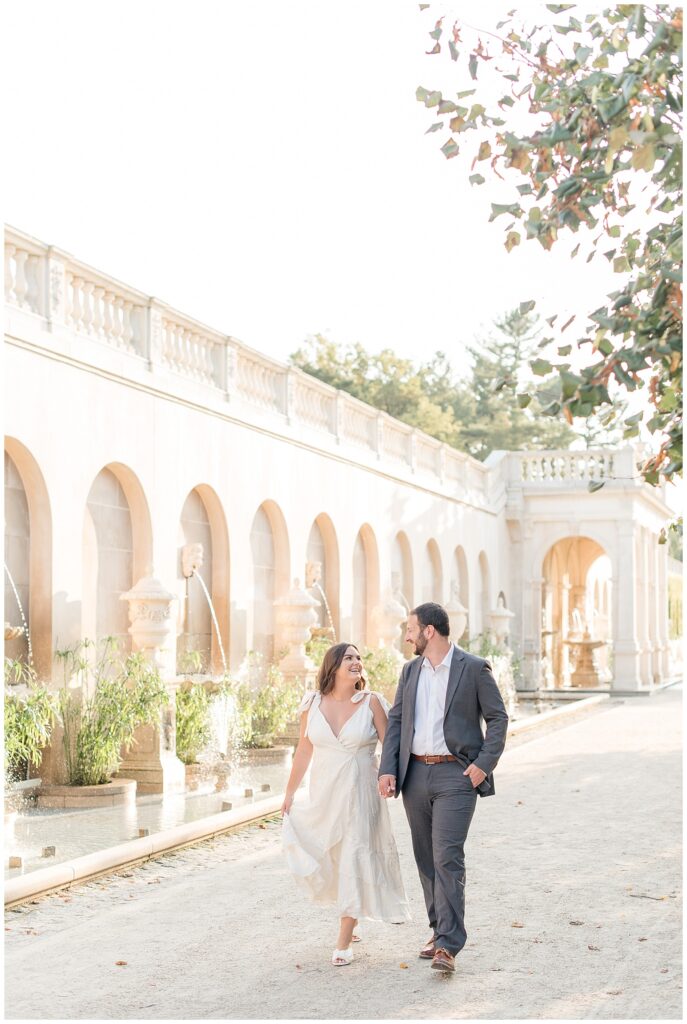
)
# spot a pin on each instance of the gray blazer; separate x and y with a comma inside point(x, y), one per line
point(472, 693)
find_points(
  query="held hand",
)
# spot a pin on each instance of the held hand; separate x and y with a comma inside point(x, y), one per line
point(286, 806)
point(387, 786)
point(475, 774)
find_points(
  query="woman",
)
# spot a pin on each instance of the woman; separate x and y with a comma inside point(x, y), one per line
point(338, 844)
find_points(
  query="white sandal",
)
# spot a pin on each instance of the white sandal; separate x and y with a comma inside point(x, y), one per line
point(345, 956)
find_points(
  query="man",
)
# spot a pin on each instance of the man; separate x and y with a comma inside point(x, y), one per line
point(435, 754)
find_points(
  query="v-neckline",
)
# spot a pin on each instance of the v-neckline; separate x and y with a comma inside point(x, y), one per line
point(336, 735)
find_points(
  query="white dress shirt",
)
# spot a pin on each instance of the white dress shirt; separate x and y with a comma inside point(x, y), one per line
point(430, 704)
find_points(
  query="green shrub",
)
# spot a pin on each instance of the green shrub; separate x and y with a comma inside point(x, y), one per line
point(381, 669)
point(124, 696)
point(266, 712)
point(193, 721)
point(29, 720)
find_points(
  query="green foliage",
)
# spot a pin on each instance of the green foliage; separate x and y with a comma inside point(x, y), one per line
point(316, 648)
point(381, 669)
point(29, 719)
point(602, 100)
point(123, 696)
point(266, 711)
point(193, 721)
point(480, 413)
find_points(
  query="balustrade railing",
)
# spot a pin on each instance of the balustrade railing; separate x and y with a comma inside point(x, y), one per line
point(566, 466)
point(51, 284)
point(191, 352)
point(314, 403)
point(260, 382)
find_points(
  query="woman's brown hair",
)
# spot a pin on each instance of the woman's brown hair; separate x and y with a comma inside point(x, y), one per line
point(331, 663)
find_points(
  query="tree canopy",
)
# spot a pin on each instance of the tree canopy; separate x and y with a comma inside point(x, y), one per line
point(601, 97)
point(479, 412)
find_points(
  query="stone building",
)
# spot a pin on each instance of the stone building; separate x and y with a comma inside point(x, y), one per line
point(143, 445)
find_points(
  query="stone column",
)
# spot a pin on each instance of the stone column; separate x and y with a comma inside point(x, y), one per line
point(531, 650)
point(662, 628)
point(153, 761)
point(295, 616)
point(626, 650)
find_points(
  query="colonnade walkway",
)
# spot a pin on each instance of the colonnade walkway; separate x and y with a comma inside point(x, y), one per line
point(573, 900)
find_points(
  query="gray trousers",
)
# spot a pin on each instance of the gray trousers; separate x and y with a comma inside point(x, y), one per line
point(439, 802)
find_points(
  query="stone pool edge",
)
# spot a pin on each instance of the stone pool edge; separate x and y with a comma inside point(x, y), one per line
point(37, 883)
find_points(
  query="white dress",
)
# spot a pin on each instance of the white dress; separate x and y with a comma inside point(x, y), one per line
point(338, 843)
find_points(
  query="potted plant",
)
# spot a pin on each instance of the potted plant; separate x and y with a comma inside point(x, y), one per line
point(113, 696)
point(267, 711)
point(194, 729)
point(29, 719)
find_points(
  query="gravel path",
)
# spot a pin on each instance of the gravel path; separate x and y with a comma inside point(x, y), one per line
point(573, 903)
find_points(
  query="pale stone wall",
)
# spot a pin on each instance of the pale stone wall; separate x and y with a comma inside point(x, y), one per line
point(200, 439)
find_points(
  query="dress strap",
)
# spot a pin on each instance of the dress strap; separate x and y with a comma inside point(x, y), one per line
point(361, 694)
point(310, 699)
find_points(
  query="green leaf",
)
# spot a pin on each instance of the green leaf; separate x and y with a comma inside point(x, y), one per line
point(512, 239)
point(582, 53)
point(450, 149)
point(595, 485)
point(472, 66)
point(476, 179)
point(446, 107)
point(524, 400)
point(644, 158)
point(497, 209)
point(453, 50)
point(527, 307)
point(565, 350)
point(541, 367)
point(435, 127)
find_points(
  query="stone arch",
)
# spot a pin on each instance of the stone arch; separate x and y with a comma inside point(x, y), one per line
point(576, 572)
point(203, 522)
point(117, 551)
point(269, 542)
point(38, 557)
point(460, 584)
point(365, 586)
point(433, 575)
point(323, 547)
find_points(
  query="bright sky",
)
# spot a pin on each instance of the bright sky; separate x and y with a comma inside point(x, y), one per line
point(264, 168)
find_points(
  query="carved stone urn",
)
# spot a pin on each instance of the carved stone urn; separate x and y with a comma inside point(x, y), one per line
point(386, 622)
point(457, 615)
point(152, 761)
point(295, 618)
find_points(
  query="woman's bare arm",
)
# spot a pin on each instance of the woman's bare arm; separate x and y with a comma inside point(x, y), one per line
point(301, 760)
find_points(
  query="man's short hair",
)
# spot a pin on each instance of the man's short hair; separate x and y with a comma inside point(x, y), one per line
point(431, 614)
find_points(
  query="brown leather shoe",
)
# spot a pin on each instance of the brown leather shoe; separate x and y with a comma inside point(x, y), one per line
point(428, 950)
point(443, 961)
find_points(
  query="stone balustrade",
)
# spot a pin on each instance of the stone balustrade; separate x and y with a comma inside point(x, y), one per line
point(67, 294)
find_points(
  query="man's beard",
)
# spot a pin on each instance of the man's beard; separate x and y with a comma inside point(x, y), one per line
point(420, 644)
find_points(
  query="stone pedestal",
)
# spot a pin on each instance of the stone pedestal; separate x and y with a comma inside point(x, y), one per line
point(152, 761)
point(296, 616)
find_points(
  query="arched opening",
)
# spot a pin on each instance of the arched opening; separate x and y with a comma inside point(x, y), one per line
point(576, 614)
point(270, 551)
point(108, 561)
point(203, 543)
point(322, 573)
point(460, 587)
point(365, 587)
point(28, 556)
point(432, 581)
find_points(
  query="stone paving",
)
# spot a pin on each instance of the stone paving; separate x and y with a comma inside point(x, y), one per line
point(573, 900)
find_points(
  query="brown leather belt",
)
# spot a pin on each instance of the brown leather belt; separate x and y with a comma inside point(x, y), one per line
point(433, 758)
